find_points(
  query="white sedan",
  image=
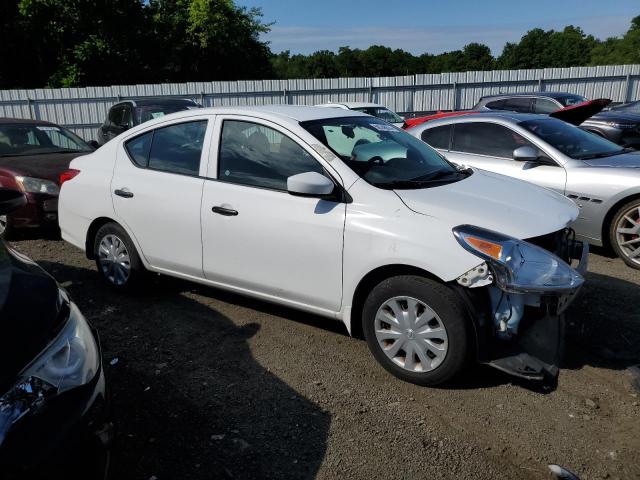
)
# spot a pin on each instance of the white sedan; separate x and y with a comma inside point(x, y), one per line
point(341, 215)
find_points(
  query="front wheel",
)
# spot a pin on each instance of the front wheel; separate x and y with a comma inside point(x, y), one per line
point(625, 233)
point(116, 257)
point(417, 329)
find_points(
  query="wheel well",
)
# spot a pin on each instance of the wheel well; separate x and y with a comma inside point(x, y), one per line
point(606, 225)
point(91, 234)
point(369, 281)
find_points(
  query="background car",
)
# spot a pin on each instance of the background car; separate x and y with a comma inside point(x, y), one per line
point(620, 124)
point(380, 232)
point(600, 176)
point(33, 154)
point(126, 114)
point(54, 411)
point(373, 109)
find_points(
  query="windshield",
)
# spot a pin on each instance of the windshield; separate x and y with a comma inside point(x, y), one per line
point(28, 139)
point(382, 154)
point(569, 100)
point(150, 112)
point(381, 112)
point(570, 140)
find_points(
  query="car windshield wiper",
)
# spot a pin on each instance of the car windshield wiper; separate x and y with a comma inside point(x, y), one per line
point(439, 174)
point(424, 181)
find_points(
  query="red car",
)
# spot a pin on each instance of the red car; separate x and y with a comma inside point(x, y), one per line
point(33, 155)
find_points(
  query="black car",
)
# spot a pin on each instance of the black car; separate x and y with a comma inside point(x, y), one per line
point(129, 113)
point(54, 410)
point(619, 124)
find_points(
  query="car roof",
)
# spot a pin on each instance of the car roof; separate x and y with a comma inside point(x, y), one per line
point(146, 101)
point(512, 117)
point(299, 113)
point(24, 121)
point(351, 105)
point(532, 94)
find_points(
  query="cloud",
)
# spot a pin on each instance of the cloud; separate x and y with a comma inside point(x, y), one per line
point(300, 39)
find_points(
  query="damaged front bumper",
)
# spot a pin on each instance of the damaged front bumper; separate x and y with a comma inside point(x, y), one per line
point(521, 332)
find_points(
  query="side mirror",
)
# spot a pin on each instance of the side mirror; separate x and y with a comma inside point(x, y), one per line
point(310, 184)
point(525, 154)
point(11, 200)
point(93, 144)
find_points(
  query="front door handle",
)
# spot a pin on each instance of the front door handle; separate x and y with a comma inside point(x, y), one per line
point(227, 212)
point(123, 193)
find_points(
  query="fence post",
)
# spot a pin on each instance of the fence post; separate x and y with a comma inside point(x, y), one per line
point(370, 90)
point(627, 97)
point(454, 86)
point(285, 96)
point(541, 84)
point(31, 108)
point(202, 99)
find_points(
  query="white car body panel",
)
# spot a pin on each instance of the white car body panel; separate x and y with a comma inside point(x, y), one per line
point(302, 252)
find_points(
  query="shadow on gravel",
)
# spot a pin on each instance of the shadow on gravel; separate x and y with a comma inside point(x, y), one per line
point(189, 399)
point(603, 328)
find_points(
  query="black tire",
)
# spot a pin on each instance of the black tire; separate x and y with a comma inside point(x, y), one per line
point(634, 206)
point(137, 273)
point(452, 315)
point(6, 228)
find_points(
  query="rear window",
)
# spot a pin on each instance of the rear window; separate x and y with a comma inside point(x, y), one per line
point(437, 137)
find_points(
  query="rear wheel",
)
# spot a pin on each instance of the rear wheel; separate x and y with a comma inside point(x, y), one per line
point(116, 257)
point(625, 233)
point(417, 329)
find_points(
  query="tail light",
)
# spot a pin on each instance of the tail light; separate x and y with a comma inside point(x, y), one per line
point(68, 175)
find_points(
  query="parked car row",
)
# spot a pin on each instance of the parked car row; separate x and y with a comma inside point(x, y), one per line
point(437, 243)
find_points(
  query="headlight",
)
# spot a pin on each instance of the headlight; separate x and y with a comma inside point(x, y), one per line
point(518, 266)
point(37, 185)
point(622, 126)
point(70, 360)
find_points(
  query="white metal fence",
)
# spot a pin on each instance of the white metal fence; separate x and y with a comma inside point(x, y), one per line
point(84, 109)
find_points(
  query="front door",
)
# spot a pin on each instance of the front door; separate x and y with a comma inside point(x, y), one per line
point(256, 236)
point(490, 146)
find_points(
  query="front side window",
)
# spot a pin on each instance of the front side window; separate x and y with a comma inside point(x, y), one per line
point(496, 104)
point(518, 104)
point(256, 155)
point(28, 139)
point(571, 140)
point(178, 148)
point(382, 154)
point(545, 106)
point(486, 139)
point(438, 137)
point(568, 100)
point(115, 115)
point(381, 112)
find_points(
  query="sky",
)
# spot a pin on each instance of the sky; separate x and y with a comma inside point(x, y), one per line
point(305, 26)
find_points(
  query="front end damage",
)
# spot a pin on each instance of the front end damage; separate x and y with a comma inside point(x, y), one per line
point(518, 297)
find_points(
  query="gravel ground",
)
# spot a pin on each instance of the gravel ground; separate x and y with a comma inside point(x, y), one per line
point(213, 385)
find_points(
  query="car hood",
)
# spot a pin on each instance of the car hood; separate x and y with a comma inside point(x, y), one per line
point(30, 310)
point(576, 114)
point(624, 160)
point(616, 116)
point(48, 166)
point(503, 204)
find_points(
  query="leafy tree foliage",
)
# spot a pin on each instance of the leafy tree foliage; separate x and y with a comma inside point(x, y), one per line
point(105, 42)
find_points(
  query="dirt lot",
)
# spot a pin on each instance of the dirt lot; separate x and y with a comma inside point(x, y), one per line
point(212, 385)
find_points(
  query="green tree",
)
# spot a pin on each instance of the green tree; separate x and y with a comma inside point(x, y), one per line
point(624, 50)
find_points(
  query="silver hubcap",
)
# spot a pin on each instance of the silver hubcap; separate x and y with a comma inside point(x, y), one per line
point(411, 334)
point(3, 223)
point(628, 234)
point(113, 259)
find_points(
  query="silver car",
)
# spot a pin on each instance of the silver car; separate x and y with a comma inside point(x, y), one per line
point(600, 176)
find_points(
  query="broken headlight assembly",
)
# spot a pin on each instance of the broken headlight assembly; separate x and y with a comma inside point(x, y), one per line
point(519, 266)
point(69, 361)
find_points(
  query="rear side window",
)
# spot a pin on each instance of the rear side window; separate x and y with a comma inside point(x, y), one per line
point(252, 154)
point(437, 137)
point(544, 105)
point(138, 149)
point(486, 139)
point(115, 115)
point(518, 104)
point(496, 105)
point(178, 148)
point(175, 149)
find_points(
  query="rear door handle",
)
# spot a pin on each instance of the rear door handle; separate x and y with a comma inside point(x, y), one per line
point(227, 212)
point(123, 193)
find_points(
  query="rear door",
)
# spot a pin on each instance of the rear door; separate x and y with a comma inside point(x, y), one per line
point(157, 192)
point(490, 146)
